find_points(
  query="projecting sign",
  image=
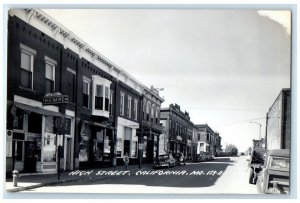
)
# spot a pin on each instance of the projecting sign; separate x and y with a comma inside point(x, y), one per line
point(57, 99)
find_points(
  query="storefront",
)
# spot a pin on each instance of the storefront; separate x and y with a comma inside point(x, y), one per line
point(127, 139)
point(34, 143)
point(96, 144)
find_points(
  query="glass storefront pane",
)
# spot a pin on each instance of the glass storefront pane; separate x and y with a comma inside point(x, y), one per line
point(49, 148)
point(49, 124)
point(35, 123)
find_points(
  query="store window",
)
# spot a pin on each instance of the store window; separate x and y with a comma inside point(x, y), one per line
point(134, 149)
point(119, 147)
point(86, 92)
point(49, 74)
point(27, 66)
point(49, 141)
point(18, 119)
point(35, 123)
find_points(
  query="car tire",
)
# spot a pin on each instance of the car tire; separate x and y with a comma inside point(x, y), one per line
point(251, 176)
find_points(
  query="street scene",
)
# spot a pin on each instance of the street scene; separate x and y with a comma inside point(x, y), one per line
point(148, 101)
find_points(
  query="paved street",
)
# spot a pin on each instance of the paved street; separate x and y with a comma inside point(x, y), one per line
point(221, 176)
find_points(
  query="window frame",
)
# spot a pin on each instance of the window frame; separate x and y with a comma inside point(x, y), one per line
point(88, 82)
point(129, 104)
point(53, 64)
point(135, 109)
point(32, 53)
point(122, 103)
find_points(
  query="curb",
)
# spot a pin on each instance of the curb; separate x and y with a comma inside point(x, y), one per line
point(18, 189)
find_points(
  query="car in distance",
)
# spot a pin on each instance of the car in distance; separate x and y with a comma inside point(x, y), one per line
point(180, 159)
point(164, 160)
point(274, 177)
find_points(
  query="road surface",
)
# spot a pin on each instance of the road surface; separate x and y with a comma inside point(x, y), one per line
point(226, 175)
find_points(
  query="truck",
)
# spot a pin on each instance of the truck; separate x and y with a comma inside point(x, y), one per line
point(257, 159)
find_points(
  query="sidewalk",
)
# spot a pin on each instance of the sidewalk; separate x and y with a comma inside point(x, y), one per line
point(30, 181)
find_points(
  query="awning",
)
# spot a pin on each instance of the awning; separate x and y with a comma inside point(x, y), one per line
point(97, 124)
point(37, 110)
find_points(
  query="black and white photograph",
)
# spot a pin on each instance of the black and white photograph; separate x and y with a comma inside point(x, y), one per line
point(146, 100)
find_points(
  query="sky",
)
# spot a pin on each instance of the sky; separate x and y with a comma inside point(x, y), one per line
point(224, 67)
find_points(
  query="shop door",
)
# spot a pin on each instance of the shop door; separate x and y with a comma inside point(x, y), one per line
point(149, 151)
point(18, 154)
point(29, 156)
point(68, 154)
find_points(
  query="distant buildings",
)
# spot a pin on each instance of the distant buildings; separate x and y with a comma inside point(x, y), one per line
point(208, 140)
point(182, 136)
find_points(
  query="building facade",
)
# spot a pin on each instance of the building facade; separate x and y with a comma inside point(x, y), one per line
point(208, 140)
point(99, 121)
point(179, 130)
point(278, 124)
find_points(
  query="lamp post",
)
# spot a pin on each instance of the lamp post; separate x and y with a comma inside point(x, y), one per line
point(259, 128)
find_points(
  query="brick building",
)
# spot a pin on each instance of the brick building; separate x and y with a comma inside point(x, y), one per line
point(103, 112)
point(208, 140)
point(179, 130)
point(278, 124)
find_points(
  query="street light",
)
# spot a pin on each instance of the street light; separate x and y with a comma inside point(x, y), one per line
point(259, 127)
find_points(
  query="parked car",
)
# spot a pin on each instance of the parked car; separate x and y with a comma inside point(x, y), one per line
point(203, 156)
point(180, 159)
point(165, 160)
point(274, 177)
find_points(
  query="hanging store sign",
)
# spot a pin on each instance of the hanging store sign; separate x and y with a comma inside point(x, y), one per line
point(179, 138)
point(51, 99)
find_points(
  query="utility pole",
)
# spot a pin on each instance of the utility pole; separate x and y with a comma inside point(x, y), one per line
point(259, 128)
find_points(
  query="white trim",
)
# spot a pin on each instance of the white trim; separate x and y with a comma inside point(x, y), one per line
point(27, 49)
point(70, 113)
point(50, 60)
point(71, 71)
point(97, 80)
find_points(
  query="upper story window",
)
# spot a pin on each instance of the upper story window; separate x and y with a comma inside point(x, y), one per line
point(157, 115)
point(207, 137)
point(71, 84)
point(152, 113)
point(27, 64)
point(135, 109)
point(86, 92)
point(129, 107)
point(106, 102)
point(144, 109)
point(50, 74)
point(101, 96)
point(122, 102)
point(148, 112)
point(111, 102)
